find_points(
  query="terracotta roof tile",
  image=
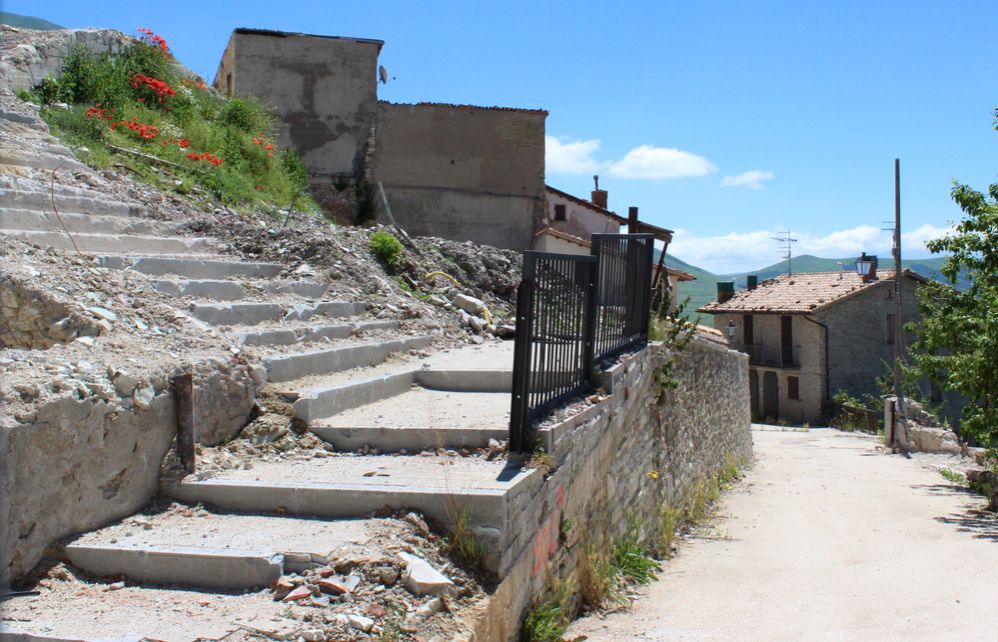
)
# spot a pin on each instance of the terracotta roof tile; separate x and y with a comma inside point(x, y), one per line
point(801, 293)
point(558, 234)
point(660, 233)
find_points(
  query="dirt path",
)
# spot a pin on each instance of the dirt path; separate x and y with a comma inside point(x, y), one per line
point(827, 538)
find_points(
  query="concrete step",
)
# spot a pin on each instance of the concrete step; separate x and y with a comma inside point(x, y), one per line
point(291, 336)
point(67, 203)
point(23, 184)
point(222, 290)
point(295, 366)
point(486, 368)
point(112, 243)
point(259, 312)
point(194, 268)
point(203, 289)
point(420, 419)
point(353, 486)
point(203, 549)
point(307, 289)
point(21, 219)
point(44, 156)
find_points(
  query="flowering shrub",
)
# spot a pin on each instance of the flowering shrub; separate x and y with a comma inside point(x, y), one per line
point(150, 38)
point(161, 89)
point(204, 156)
point(142, 100)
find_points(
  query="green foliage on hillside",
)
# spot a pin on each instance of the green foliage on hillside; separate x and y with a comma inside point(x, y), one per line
point(26, 22)
point(957, 342)
point(141, 110)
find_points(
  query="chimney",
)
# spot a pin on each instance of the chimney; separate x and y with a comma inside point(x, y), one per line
point(873, 270)
point(725, 290)
point(632, 220)
point(599, 195)
point(751, 281)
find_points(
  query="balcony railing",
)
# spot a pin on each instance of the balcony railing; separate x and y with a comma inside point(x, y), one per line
point(774, 356)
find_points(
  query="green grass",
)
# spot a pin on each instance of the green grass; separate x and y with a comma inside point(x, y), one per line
point(176, 133)
point(386, 247)
point(953, 476)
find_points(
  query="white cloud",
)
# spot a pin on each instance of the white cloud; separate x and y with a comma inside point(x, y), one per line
point(927, 232)
point(751, 179)
point(660, 163)
point(566, 156)
point(740, 252)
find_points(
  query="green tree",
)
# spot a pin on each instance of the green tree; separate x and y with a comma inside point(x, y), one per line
point(957, 341)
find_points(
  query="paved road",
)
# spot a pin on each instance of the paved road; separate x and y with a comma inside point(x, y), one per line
point(827, 539)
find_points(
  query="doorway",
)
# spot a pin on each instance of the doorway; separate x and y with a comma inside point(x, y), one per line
point(753, 382)
point(770, 395)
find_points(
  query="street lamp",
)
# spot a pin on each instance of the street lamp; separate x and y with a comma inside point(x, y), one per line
point(731, 330)
point(864, 264)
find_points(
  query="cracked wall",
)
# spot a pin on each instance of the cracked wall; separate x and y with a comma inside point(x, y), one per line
point(87, 458)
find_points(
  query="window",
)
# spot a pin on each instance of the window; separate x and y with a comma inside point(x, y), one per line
point(890, 328)
point(559, 212)
point(228, 84)
point(793, 388)
point(748, 331)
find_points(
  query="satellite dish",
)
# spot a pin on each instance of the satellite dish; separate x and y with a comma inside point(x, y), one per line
point(383, 74)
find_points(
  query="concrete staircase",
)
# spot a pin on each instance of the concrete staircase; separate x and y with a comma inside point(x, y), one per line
point(354, 384)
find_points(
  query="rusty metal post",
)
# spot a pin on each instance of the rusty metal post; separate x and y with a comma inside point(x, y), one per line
point(632, 220)
point(183, 395)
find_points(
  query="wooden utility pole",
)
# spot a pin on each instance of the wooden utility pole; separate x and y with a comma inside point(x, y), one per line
point(899, 401)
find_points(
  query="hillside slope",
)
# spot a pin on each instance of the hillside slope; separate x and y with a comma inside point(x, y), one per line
point(26, 22)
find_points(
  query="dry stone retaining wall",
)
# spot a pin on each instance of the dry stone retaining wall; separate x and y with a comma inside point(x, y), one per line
point(618, 463)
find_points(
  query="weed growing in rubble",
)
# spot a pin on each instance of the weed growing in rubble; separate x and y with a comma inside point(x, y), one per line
point(386, 247)
point(462, 543)
point(142, 111)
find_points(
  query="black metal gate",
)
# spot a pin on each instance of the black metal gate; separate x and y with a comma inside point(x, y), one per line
point(572, 313)
point(552, 358)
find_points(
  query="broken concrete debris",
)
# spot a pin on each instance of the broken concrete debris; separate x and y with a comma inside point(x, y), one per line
point(421, 578)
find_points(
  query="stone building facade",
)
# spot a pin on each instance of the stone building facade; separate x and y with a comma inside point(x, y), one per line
point(461, 172)
point(811, 335)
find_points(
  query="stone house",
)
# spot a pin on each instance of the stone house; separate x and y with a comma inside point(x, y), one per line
point(462, 172)
point(811, 335)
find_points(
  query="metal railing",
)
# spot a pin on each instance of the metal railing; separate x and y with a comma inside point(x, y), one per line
point(572, 313)
point(623, 292)
point(552, 358)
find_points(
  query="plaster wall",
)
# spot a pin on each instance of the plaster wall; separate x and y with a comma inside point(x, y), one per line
point(323, 89)
point(463, 173)
point(579, 220)
point(547, 243)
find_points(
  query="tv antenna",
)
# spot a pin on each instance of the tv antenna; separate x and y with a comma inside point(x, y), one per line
point(786, 244)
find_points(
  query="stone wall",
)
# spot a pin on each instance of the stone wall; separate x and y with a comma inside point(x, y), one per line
point(82, 460)
point(31, 319)
point(462, 172)
point(618, 464)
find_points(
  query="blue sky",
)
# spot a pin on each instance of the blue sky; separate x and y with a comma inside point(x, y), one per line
point(725, 121)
